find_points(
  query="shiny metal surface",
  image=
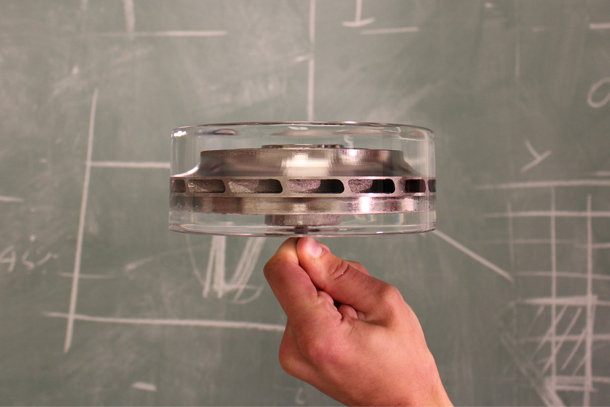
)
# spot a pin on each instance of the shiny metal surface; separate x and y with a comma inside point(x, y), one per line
point(302, 185)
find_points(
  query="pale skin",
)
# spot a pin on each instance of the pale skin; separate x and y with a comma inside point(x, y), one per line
point(350, 335)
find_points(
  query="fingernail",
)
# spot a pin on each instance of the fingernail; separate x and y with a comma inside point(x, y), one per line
point(313, 248)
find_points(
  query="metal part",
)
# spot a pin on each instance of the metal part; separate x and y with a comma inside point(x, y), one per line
point(302, 185)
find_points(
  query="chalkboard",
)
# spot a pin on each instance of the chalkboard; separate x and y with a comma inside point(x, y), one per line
point(101, 304)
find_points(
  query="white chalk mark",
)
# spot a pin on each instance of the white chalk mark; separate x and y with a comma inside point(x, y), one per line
point(244, 269)
point(130, 17)
point(554, 318)
point(544, 184)
point(558, 214)
point(81, 224)
point(175, 34)
point(29, 265)
point(599, 26)
point(9, 256)
point(131, 164)
point(203, 323)
point(216, 262)
point(594, 88)
point(576, 300)
point(302, 58)
point(538, 158)
point(590, 309)
point(139, 263)
point(10, 199)
point(189, 250)
point(358, 21)
point(46, 258)
point(312, 21)
point(472, 254)
point(298, 399)
point(568, 330)
point(602, 173)
point(577, 368)
point(144, 386)
point(86, 276)
point(311, 64)
point(518, 46)
point(310, 89)
point(556, 344)
point(533, 322)
point(216, 270)
point(550, 335)
point(528, 241)
point(511, 236)
point(561, 274)
point(396, 30)
point(569, 338)
point(528, 369)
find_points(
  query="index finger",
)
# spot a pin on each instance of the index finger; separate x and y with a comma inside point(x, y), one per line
point(291, 285)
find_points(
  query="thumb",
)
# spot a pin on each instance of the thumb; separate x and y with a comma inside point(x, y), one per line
point(344, 282)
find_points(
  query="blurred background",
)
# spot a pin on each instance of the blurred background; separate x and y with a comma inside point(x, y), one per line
point(101, 304)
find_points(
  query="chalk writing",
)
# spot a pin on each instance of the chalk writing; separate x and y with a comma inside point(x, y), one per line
point(298, 399)
point(552, 339)
point(10, 259)
point(358, 21)
point(596, 104)
point(144, 386)
point(215, 278)
point(538, 158)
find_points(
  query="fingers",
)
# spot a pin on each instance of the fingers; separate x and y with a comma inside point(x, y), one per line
point(345, 281)
point(294, 290)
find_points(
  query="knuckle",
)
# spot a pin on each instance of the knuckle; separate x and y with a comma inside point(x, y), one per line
point(288, 362)
point(339, 269)
point(390, 294)
point(272, 266)
point(321, 352)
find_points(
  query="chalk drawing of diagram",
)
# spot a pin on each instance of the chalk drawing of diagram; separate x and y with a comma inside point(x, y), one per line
point(558, 247)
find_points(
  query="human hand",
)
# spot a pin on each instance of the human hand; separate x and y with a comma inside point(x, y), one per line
point(348, 334)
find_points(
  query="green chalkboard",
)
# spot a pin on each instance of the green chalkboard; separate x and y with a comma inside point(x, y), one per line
point(101, 304)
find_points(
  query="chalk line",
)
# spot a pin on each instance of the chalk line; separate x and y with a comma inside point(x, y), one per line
point(175, 34)
point(599, 26)
point(131, 164)
point(563, 274)
point(590, 309)
point(396, 30)
point(545, 184)
point(511, 236)
point(144, 386)
point(472, 254)
point(528, 241)
point(538, 158)
point(576, 300)
point(86, 276)
point(81, 224)
point(558, 214)
point(11, 199)
point(568, 338)
point(203, 323)
point(311, 63)
point(575, 348)
point(554, 318)
point(358, 21)
point(130, 17)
